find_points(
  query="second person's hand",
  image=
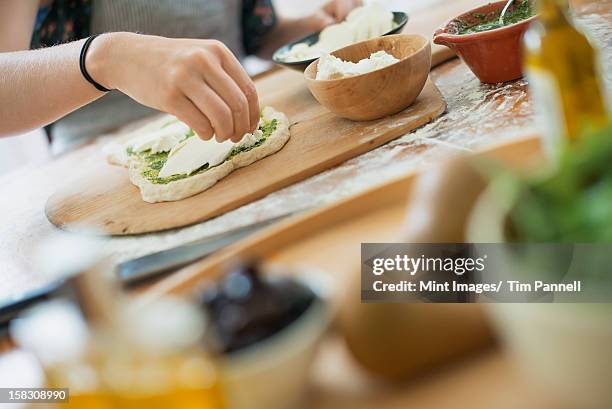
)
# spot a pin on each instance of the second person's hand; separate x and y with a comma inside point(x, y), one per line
point(199, 81)
point(335, 11)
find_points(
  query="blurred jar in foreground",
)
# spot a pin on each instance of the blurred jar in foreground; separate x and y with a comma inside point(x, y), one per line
point(563, 72)
point(70, 335)
point(162, 363)
point(150, 356)
point(111, 352)
point(57, 333)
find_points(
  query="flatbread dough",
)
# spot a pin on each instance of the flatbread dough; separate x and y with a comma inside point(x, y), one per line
point(197, 183)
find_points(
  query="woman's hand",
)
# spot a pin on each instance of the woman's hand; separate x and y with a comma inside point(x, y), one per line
point(198, 81)
point(336, 11)
point(289, 29)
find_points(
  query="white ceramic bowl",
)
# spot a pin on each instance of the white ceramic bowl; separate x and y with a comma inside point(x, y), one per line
point(563, 349)
point(273, 374)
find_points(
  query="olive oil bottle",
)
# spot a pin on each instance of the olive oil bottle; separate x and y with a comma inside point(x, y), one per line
point(563, 72)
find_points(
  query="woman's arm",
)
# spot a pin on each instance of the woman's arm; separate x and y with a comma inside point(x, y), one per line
point(38, 87)
point(32, 94)
point(289, 29)
point(199, 81)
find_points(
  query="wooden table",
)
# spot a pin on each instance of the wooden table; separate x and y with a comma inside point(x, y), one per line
point(484, 381)
point(478, 116)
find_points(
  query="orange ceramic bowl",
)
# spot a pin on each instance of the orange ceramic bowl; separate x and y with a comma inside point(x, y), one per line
point(493, 56)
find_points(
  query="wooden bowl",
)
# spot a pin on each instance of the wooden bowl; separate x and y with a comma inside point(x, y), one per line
point(378, 93)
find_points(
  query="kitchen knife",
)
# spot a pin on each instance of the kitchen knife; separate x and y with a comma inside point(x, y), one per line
point(140, 269)
point(10, 309)
point(152, 265)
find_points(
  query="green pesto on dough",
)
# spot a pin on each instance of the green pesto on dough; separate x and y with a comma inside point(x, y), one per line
point(154, 162)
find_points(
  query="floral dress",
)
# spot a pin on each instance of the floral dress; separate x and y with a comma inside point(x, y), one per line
point(69, 20)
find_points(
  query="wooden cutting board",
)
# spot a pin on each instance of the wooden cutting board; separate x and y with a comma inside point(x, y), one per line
point(102, 197)
point(328, 239)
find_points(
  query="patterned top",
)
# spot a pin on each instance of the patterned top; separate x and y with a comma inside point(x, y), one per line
point(258, 18)
point(68, 20)
point(60, 22)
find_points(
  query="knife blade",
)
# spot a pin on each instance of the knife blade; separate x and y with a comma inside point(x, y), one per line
point(152, 265)
point(139, 269)
point(10, 309)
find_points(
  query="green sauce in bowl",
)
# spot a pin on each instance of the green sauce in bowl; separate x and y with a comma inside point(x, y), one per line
point(487, 22)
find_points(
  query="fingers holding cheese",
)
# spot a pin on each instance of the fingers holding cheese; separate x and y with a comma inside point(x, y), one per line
point(247, 86)
point(199, 81)
point(236, 100)
point(187, 112)
point(213, 107)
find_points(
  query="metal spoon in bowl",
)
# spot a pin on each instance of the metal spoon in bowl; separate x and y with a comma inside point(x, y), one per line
point(503, 13)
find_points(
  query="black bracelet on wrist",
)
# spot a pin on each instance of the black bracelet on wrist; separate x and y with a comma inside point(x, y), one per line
point(84, 49)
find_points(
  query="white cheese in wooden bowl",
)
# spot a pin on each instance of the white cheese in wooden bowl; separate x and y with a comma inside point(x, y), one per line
point(333, 68)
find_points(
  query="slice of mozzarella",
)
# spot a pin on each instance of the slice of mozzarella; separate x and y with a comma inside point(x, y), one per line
point(192, 154)
point(335, 37)
point(153, 125)
point(250, 139)
point(162, 139)
point(380, 22)
point(361, 23)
